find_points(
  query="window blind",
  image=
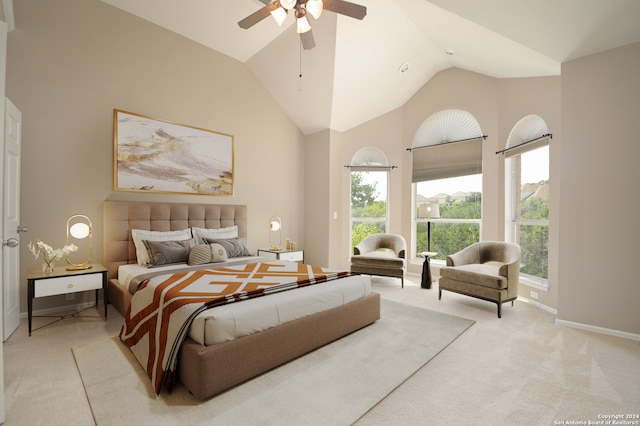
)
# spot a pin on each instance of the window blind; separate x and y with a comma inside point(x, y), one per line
point(445, 160)
point(523, 147)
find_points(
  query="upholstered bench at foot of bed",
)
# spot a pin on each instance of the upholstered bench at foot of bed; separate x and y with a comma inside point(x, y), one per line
point(250, 356)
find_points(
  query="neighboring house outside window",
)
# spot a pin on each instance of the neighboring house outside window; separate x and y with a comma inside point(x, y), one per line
point(447, 214)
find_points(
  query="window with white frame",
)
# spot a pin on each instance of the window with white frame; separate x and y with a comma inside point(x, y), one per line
point(447, 183)
point(447, 214)
point(527, 198)
point(369, 194)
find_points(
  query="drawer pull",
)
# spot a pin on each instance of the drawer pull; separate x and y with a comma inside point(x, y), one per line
point(69, 285)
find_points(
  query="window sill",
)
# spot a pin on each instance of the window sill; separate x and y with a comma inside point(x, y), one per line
point(532, 284)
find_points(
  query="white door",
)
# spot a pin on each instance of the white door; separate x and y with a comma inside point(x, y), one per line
point(11, 217)
point(3, 57)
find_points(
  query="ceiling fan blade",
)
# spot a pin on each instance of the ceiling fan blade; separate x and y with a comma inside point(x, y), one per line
point(345, 8)
point(258, 16)
point(308, 42)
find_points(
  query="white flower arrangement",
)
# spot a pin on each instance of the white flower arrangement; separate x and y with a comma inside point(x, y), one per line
point(49, 253)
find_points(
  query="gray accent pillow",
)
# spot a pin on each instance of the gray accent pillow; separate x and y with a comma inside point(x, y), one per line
point(207, 253)
point(169, 252)
point(235, 247)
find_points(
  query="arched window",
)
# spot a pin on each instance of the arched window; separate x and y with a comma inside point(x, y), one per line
point(447, 183)
point(527, 196)
point(369, 193)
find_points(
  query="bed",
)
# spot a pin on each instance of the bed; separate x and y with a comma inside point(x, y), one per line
point(208, 369)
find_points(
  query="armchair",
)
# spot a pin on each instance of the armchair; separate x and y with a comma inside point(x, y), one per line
point(382, 255)
point(488, 270)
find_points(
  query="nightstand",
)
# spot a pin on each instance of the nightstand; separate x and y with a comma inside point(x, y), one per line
point(291, 255)
point(62, 281)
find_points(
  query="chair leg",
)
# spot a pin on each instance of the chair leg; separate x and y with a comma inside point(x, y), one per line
point(439, 294)
point(499, 310)
point(402, 281)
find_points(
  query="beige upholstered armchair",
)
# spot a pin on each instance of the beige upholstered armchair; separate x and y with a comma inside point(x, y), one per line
point(380, 254)
point(487, 270)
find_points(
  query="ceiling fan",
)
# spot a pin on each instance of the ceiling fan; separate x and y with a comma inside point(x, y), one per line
point(279, 9)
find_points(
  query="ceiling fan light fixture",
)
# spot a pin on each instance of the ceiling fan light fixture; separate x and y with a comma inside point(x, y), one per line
point(288, 4)
point(279, 14)
point(302, 21)
point(314, 7)
point(303, 25)
point(278, 9)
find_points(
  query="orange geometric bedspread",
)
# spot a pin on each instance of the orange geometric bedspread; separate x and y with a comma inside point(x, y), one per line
point(163, 307)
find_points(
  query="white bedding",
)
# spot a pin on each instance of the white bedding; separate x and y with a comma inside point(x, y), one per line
point(251, 316)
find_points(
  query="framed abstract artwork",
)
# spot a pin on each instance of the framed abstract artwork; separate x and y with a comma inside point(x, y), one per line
point(160, 156)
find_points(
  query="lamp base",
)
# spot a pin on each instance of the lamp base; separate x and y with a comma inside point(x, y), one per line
point(79, 267)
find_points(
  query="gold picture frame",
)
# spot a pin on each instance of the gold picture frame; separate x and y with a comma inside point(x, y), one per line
point(153, 155)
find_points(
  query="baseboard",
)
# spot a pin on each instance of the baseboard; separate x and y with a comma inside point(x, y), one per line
point(538, 305)
point(587, 327)
point(601, 330)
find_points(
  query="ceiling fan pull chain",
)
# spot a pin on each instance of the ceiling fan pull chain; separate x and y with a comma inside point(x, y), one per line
point(300, 75)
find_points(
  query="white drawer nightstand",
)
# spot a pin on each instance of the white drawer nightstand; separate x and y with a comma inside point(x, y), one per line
point(62, 281)
point(291, 255)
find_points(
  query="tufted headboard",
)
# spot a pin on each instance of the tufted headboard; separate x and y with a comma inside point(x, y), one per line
point(120, 217)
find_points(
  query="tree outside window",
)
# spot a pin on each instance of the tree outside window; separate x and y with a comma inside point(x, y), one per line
point(529, 212)
point(459, 201)
point(369, 207)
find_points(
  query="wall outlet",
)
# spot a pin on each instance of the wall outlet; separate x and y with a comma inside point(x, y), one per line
point(534, 294)
point(70, 296)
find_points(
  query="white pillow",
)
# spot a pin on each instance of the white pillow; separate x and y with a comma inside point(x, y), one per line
point(221, 233)
point(139, 235)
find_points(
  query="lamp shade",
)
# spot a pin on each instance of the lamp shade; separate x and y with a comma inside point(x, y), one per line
point(279, 14)
point(79, 230)
point(302, 25)
point(314, 7)
point(428, 211)
point(288, 4)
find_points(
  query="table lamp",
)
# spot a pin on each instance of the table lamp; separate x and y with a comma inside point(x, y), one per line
point(78, 228)
point(275, 230)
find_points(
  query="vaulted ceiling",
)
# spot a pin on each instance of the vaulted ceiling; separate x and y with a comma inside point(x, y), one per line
point(352, 75)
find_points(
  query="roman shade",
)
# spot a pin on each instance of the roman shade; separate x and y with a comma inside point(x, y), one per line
point(451, 159)
point(447, 144)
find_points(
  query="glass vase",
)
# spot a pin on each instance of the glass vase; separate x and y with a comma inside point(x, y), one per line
point(47, 267)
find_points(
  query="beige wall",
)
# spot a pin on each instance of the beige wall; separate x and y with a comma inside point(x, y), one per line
point(71, 62)
point(599, 203)
point(317, 192)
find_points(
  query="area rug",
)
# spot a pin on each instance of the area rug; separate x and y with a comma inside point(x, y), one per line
point(334, 385)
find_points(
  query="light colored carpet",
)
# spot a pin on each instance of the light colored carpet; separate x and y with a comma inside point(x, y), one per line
point(336, 384)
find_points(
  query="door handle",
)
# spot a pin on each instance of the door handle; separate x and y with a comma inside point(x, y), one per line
point(22, 229)
point(11, 242)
